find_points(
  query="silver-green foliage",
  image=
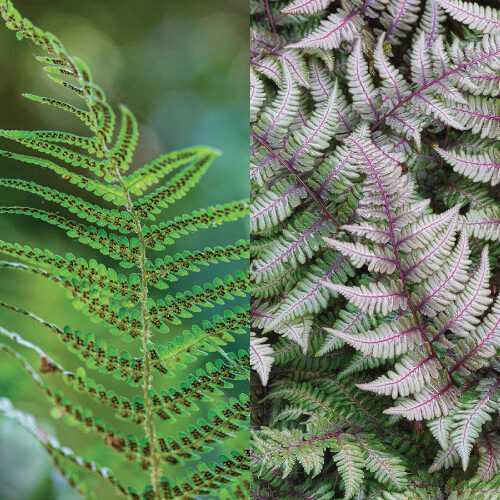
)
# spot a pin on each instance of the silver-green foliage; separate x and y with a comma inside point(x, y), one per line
point(375, 223)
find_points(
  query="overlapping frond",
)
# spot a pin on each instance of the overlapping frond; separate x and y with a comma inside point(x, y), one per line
point(374, 259)
point(428, 241)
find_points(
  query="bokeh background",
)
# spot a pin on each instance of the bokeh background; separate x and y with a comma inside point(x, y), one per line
point(181, 67)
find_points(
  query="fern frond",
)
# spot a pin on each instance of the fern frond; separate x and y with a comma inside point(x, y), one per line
point(273, 122)
point(482, 167)
point(276, 204)
point(398, 18)
point(203, 218)
point(350, 463)
point(478, 17)
point(343, 25)
point(308, 452)
point(386, 341)
point(431, 22)
point(84, 116)
point(445, 459)
point(480, 115)
point(121, 303)
point(306, 6)
point(472, 411)
point(297, 66)
point(440, 428)
point(483, 224)
point(366, 97)
point(117, 247)
point(74, 158)
point(113, 219)
point(257, 95)
point(261, 357)
point(409, 375)
point(176, 188)
point(300, 242)
point(49, 136)
point(435, 400)
point(373, 297)
point(308, 296)
point(58, 452)
point(488, 461)
point(387, 469)
point(473, 351)
point(206, 480)
point(144, 177)
point(126, 141)
point(109, 192)
point(306, 146)
point(168, 268)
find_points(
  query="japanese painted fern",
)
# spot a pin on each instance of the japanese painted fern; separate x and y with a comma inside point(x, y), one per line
point(375, 223)
point(129, 305)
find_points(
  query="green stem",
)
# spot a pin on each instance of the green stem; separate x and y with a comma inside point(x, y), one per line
point(149, 427)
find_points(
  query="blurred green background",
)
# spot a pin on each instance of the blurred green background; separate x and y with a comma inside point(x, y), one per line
point(181, 67)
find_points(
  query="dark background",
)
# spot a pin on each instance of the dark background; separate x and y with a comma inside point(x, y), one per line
point(181, 67)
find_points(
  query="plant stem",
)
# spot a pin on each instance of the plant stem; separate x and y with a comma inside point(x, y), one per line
point(289, 167)
point(433, 82)
point(399, 267)
point(149, 427)
point(270, 17)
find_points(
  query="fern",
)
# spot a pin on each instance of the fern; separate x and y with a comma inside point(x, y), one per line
point(374, 259)
point(118, 223)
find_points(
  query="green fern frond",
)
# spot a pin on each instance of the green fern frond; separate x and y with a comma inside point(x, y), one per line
point(192, 376)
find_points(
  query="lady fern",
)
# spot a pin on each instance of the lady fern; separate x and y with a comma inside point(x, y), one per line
point(119, 223)
point(374, 219)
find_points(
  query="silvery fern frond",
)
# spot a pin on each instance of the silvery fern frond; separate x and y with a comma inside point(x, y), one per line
point(306, 6)
point(308, 143)
point(431, 22)
point(483, 224)
point(489, 456)
point(477, 17)
point(336, 28)
point(274, 121)
point(427, 242)
point(257, 95)
point(440, 428)
point(398, 18)
point(276, 204)
point(474, 408)
point(478, 164)
point(366, 97)
point(374, 297)
point(261, 357)
point(445, 459)
point(479, 115)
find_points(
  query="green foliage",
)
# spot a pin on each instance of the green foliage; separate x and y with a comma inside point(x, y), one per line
point(374, 220)
point(197, 377)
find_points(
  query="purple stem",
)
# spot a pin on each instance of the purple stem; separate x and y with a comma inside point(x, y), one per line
point(398, 261)
point(432, 82)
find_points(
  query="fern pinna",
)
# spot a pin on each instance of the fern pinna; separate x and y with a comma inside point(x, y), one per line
point(374, 219)
point(178, 370)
